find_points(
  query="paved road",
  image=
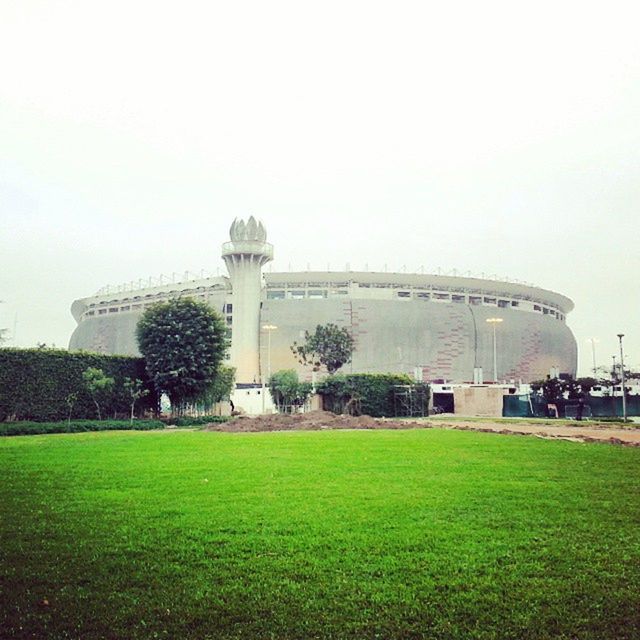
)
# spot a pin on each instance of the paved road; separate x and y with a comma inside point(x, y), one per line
point(585, 432)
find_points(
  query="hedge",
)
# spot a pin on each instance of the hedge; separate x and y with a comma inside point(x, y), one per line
point(35, 384)
point(373, 391)
point(76, 426)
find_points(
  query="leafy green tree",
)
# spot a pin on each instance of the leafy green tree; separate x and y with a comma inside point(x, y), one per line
point(184, 343)
point(329, 346)
point(70, 400)
point(99, 386)
point(222, 385)
point(287, 390)
point(135, 390)
point(219, 390)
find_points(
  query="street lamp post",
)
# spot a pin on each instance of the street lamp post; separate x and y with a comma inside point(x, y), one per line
point(494, 322)
point(624, 398)
point(593, 353)
point(268, 328)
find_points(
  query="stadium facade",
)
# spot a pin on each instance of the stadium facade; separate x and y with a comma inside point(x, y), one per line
point(436, 326)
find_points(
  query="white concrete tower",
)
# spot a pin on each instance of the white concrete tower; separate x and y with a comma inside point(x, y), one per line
point(244, 257)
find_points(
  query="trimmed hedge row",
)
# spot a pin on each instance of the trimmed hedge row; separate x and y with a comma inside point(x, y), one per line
point(373, 391)
point(35, 384)
point(76, 426)
point(27, 428)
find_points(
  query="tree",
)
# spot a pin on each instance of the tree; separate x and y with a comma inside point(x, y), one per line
point(184, 343)
point(70, 400)
point(220, 389)
point(329, 346)
point(135, 390)
point(287, 390)
point(99, 386)
point(222, 385)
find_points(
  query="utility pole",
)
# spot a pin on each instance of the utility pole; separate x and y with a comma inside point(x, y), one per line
point(494, 322)
point(593, 352)
point(624, 397)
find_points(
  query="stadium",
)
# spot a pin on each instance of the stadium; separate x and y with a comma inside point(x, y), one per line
point(433, 327)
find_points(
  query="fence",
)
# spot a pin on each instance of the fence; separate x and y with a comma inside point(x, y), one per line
point(526, 406)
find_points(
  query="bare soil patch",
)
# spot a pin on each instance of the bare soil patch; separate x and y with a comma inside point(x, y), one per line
point(311, 421)
point(580, 432)
point(320, 420)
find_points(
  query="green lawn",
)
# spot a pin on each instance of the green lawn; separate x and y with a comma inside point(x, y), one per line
point(353, 534)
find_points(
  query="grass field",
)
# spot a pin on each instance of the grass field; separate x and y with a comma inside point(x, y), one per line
point(385, 534)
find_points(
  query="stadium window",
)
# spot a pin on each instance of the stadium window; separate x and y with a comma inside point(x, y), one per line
point(424, 296)
point(296, 294)
point(126, 308)
point(515, 303)
point(545, 311)
point(102, 311)
point(136, 306)
point(503, 304)
point(404, 294)
point(90, 313)
point(113, 309)
point(229, 308)
point(457, 298)
point(475, 300)
point(489, 300)
point(441, 296)
point(275, 295)
point(317, 293)
point(536, 307)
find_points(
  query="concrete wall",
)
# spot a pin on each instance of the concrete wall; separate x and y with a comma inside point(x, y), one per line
point(446, 340)
point(478, 401)
point(253, 401)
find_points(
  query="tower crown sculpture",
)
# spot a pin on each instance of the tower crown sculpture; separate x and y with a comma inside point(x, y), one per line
point(248, 238)
point(253, 231)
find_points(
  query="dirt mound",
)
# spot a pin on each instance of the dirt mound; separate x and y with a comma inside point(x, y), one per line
point(311, 421)
point(319, 420)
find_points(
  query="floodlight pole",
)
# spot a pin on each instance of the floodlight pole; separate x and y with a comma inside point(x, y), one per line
point(268, 328)
point(624, 398)
point(593, 353)
point(494, 322)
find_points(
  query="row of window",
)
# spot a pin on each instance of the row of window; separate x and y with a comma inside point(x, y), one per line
point(300, 294)
point(103, 307)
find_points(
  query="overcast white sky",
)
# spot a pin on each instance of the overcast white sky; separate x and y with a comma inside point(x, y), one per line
point(495, 137)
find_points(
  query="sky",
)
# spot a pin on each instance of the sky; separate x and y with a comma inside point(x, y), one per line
point(496, 137)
